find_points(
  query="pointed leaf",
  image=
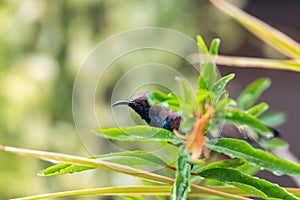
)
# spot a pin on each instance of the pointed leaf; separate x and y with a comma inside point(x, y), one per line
point(188, 105)
point(168, 100)
point(187, 94)
point(129, 158)
point(273, 143)
point(207, 66)
point(138, 133)
point(240, 118)
point(201, 45)
point(258, 109)
point(63, 168)
point(253, 91)
point(241, 149)
point(221, 83)
point(273, 119)
point(254, 185)
point(232, 163)
point(214, 47)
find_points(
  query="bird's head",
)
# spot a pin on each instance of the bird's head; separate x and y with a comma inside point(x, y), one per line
point(139, 104)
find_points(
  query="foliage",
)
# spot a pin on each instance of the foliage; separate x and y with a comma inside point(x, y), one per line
point(211, 98)
point(202, 114)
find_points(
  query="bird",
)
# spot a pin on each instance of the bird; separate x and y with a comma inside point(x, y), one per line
point(162, 117)
point(155, 115)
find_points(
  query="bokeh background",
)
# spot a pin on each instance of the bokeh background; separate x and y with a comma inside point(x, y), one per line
point(43, 44)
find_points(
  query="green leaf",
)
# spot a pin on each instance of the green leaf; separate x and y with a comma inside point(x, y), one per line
point(181, 186)
point(201, 45)
point(220, 110)
point(250, 189)
point(232, 163)
point(187, 94)
point(265, 32)
point(240, 118)
point(202, 84)
point(253, 185)
point(188, 105)
point(129, 158)
point(207, 66)
point(273, 119)
point(214, 47)
point(241, 149)
point(273, 143)
point(208, 73)
point(63, 168)
point(203, 95)
point(249, 96)
point(138, 133)
point(258, 109)
point(168, 100)
point(221, 83)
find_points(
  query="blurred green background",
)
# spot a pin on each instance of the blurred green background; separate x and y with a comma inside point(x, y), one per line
point(43, 44)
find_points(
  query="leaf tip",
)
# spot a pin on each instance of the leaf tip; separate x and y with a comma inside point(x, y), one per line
point(41, 173)
point(214, 47)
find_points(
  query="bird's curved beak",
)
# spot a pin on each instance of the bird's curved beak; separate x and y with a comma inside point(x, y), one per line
point(121, 102)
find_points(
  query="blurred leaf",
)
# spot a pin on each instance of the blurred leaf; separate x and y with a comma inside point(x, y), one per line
point(293, 65)
point(253, 91)
point(181, 185)
point(232, 163)
point(221, 83)
point(189, 106)
point(259, 187)
point(187, 95)
point(220, 110)
point(249, 169)
point(129, 158)
point(240, 118)
point(258, 109)
point(265, 32)
point(132, 158)
point(203, 95)
point(137, 133)
point(168, 100)
point(273, 143)
point(201, 45)
point(208, 75)
point(241, 149)
point(214, 47)
point(207, 66)
point(63, 168)
point(273, 119)
point(202, 84)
